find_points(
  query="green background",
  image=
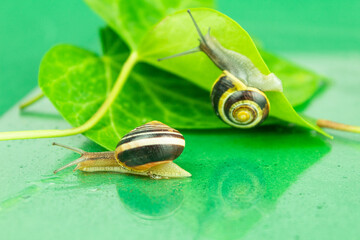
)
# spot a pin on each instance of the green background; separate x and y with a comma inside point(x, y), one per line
point(29, 29)
point(270, 183)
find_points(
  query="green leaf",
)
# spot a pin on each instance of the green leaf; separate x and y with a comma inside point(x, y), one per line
point(132, 19)
point(176, 33)
point(78, 81)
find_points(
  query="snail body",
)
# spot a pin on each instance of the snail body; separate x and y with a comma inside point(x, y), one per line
point(147, 150)
point(237, 95)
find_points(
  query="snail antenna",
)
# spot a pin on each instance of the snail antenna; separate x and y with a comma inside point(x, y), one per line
point(79, 160)
point(79, 151)
point(196, 26)
point(193, 50)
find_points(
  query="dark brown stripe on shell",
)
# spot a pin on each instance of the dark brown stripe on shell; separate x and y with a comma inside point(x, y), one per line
point(150, 153)
point(149, 128)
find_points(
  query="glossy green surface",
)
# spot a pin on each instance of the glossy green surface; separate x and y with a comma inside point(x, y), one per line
point(270, 183)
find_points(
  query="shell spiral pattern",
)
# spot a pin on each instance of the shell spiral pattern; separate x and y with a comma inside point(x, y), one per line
point(151, 144)
point(238, 105)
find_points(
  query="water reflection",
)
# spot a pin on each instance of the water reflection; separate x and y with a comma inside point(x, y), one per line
point(239, 188)
point(151, 199)
point(236, 198)
point(237, 179)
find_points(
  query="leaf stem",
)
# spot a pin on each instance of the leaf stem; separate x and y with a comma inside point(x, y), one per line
point(120, 81)
point(337, 126)
point(31, 100)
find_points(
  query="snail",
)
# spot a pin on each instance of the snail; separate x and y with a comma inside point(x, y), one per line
point(147, 150)
point(237, 95)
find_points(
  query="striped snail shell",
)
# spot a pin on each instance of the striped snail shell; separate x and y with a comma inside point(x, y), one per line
point(149, 145)
point(238, 105)
point(148, 150)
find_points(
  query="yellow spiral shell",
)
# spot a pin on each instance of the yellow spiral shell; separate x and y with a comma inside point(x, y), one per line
point(238, 105)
